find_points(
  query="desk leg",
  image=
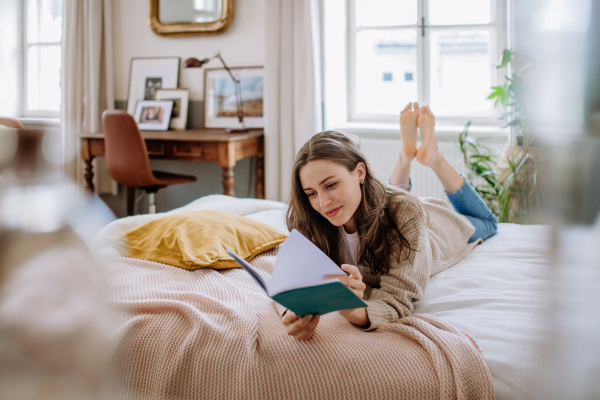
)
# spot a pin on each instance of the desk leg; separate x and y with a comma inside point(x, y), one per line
point(227, 162)
point(260, 179)
point(88, 168)
point(228, 181)
point(130, 200)
point(88, 174)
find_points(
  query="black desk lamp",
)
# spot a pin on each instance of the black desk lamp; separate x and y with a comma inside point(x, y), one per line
point(195, 63)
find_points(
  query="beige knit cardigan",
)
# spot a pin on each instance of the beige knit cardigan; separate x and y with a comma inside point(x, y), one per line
point(440, 237)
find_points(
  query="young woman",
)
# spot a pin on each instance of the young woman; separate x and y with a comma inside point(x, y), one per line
point(388, 241)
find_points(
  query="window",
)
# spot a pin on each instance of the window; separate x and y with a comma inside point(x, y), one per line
point(438, 52)
point(42, 58)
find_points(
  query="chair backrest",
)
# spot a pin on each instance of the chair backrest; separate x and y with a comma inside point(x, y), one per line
point(125, 151)
point(11, 122)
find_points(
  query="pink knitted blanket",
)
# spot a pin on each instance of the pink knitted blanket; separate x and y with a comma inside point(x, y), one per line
point(215, 334)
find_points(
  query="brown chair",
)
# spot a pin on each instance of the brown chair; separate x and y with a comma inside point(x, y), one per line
point(128, 162)
point(11, 122)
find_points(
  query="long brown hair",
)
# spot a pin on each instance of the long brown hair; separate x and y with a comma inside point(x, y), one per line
point(380, 237)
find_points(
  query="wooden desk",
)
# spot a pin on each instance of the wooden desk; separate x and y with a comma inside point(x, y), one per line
point(190, 145)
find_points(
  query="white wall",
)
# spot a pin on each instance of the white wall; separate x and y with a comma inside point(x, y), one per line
point(243, 44)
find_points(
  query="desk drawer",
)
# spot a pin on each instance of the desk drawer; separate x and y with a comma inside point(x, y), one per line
point(155, 149)
point(188, 150)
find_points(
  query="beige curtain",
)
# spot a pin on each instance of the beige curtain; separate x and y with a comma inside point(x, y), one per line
point(87, 82)
point(292, 88)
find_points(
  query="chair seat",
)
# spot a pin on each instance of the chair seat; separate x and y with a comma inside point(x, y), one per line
point(167, 178)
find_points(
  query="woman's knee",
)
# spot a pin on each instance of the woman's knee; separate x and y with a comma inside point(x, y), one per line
point(491, 228)
point(484, 228)
point(494, 223)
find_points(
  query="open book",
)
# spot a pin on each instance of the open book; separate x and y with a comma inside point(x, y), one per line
point(298, 281)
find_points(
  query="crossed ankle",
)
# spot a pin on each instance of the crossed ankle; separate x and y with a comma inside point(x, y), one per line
point(405, 158)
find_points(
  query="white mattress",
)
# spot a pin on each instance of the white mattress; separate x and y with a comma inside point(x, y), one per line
point(497, 293)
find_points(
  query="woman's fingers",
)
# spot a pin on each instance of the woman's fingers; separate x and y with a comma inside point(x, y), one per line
point(297, 326)
point(300, 328)
point(307, 331)
point(352, 283)
point(312, 324)
point(353, 270)
point(289, 317)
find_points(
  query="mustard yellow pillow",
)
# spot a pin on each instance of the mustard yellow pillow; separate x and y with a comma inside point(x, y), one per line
point(198, 239)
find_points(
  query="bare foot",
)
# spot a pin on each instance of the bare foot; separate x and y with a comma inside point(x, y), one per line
point(408, 130)
point(428, 153)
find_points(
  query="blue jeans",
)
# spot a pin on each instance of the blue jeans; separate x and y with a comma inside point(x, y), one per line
point(469, 203)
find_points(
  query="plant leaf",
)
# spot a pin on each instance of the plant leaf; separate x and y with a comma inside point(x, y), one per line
point(507, 57)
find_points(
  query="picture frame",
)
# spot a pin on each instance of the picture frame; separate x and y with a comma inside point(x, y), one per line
point(153, 115)
point(146, 74)
point(220, 110)
point(180, 98)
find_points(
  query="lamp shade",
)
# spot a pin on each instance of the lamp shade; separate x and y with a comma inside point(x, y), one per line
point(194, 62)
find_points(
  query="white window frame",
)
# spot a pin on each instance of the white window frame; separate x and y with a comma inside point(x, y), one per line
point(498, 42)
point(25, 111)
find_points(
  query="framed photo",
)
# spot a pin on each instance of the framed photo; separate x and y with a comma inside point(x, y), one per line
point(148, 74)
point(220, 101)
point(153, 115)
point(181, 98)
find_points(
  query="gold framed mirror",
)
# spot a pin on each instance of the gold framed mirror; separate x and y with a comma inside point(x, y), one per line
point(190, 17)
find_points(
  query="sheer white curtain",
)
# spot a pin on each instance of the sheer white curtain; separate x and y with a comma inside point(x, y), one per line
point(87, 82)
point(10, 56)
point(292, 88)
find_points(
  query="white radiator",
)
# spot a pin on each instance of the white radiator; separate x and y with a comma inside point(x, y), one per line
point(382, 155)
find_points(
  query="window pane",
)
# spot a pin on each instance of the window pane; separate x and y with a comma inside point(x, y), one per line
point(51, 21)
point(386, 12)
point(459, 12)
point(386, 70)
point(461, 72)
point(33, 81)
point(50, 78)
point(32, 22)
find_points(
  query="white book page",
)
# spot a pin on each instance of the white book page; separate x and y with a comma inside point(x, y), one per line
point(263, 278)
point(300, 263)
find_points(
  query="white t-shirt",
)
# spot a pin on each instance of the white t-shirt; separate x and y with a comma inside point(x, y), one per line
point(351, 241)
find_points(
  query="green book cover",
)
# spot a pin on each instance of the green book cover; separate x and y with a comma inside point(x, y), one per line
point(298, 281)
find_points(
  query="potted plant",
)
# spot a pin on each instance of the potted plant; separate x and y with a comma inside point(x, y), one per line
point(508, 179)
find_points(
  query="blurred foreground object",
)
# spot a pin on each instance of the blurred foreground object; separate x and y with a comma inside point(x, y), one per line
point(53, 317)
point(564, 101)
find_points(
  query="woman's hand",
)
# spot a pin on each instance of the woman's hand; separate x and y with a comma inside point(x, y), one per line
point(300, 328)
point(353, 281)
point(357, 316)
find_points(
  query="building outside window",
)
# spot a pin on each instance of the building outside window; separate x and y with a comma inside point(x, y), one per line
point(438, 52)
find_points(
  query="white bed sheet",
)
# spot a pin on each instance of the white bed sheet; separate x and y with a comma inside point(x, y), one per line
point(498, 293)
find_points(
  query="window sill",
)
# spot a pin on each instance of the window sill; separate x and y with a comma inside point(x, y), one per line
point(33, 123)
point(373, 130)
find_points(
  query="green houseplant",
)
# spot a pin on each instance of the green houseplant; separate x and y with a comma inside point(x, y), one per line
point(506, 180)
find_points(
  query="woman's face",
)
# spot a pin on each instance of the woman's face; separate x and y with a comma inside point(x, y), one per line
point(332, 190)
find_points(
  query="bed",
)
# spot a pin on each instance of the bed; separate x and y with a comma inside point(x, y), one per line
point(496, 294)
